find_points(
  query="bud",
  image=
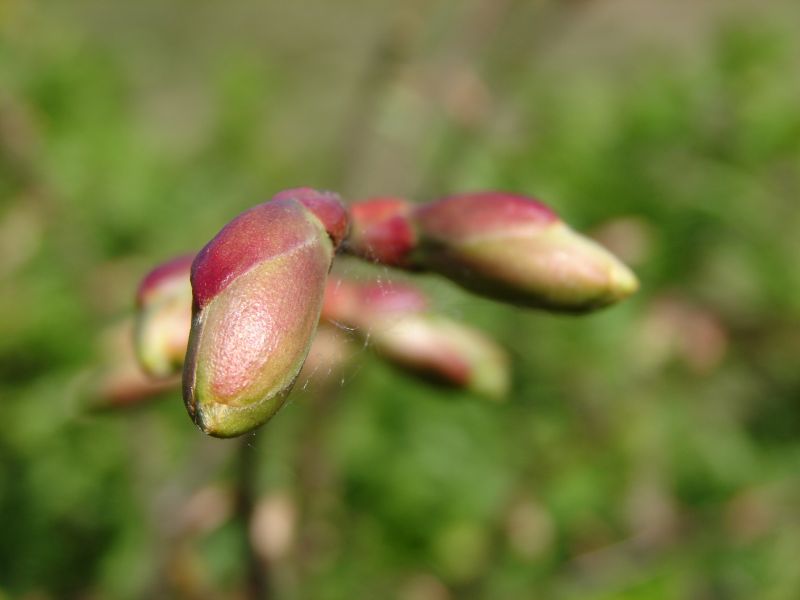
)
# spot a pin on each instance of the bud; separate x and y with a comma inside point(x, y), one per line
point(164, 317)
point(381, 231)
point(515, 249)
point(168, 337)
point(446, 350)
point(326, 206)
point(395, 319)
point(257, 291)
point(502, 246)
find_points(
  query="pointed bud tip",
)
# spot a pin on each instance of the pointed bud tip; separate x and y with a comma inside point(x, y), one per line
point(224, 422)
point(516, 249)
point(624, 282)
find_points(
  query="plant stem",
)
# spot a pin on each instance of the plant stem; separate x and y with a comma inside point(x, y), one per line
point(258, 578)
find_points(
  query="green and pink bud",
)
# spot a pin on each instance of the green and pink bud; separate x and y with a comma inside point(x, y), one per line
point(516, 249)
point(396, 321)
point(257, 290)
point(503, 246)
point(164, 317)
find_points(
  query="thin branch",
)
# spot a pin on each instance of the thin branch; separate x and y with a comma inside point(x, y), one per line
point(258, 577)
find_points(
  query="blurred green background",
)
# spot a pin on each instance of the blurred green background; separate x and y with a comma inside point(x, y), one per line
point(650, 451)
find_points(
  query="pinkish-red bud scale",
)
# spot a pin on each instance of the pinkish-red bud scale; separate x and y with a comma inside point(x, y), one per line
point(381, 231)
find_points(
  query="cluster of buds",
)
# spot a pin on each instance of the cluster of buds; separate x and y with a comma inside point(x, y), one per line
point(240, 316)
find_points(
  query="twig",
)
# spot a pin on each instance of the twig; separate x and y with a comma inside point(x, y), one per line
point(388, 55)
point(258, 577)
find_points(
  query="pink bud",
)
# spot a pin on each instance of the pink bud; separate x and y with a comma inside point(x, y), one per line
point(515, 249)
point(258, 288)
point(395, 319)
point(446, 350)
point(163, 317)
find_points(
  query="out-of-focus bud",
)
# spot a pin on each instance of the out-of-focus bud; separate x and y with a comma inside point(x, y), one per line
point(273, 527)
point(164, 317)
point(257, 292)
point(359, 305)
point(395, 320)
point(381, 231)
point(675, 327)
point(446, 350)
point(515, 249)
point(120, 381)
point(205, 510)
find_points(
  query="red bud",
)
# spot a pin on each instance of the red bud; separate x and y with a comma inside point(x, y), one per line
point(381, 231)
point(258, 288)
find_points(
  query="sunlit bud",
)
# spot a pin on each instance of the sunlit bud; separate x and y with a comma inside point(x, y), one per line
point(381, 231)
point(395, 320)
point(257, 291)
point(120, 381)
point(163, 317)
point(515, 249)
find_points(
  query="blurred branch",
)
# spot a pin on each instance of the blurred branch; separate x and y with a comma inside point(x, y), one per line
point(258, 577)
point(315, 476)
point(163, 494)
point(487, 43)
point(390, 52)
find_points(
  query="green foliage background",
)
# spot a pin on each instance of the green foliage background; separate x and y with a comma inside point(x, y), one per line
point(648, 451)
